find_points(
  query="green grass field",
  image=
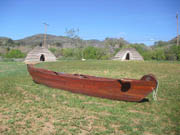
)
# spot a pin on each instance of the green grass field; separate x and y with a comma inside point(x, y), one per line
point(29, 108)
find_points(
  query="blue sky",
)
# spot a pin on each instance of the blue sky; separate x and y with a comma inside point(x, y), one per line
point(142, 21)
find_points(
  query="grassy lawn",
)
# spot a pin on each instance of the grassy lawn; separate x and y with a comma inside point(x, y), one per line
point(29, 108)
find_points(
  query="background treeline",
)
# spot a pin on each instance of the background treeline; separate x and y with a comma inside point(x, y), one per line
point(157, 52)
point(73, 47)
point(88, 52)
point(160, 53)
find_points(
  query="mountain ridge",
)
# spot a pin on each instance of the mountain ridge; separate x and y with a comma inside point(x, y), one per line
point(67, 42)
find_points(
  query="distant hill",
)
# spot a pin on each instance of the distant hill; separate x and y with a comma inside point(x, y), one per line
point(3, 40)
point(36, 39)
point(62, 41)
point(114, 44)
point(174, 40)
point(165, 44)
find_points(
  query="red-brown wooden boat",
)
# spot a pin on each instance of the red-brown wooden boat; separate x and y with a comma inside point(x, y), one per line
point(117, 89)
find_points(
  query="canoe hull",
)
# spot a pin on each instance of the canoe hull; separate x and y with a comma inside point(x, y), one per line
point(116, 89)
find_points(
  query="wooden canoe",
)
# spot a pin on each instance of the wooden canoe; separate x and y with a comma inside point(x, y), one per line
point(116, 89)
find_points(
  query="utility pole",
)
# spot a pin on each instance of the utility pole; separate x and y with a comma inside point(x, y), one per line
point(45, 29)
point(177, 29)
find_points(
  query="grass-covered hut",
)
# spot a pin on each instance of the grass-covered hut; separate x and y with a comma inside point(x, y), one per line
point(128, 54)
point(39, 54)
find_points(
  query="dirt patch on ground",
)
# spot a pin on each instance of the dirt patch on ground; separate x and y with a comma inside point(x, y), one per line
point(28, 95)
point(147, 133)
point(100, 104)
point(3, 128)
point(136, 121)
point(2, 117)
point(135, 111)
point(48, 128)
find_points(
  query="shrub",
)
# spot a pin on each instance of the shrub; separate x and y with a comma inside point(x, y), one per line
point(173, 53)
point(160, 54)
point(78, 53)
point(171, 56)
point(148, 55)
point(176, 51)
point(67, 52)
point(14, 53)
point(91, 52)
point(53, 50)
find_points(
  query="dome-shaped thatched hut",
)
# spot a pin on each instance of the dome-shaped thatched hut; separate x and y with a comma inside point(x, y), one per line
point(128, 54)
point(39, 54)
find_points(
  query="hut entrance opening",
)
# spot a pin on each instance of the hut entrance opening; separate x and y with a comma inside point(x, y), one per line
point(127, 56)
point(42, 58)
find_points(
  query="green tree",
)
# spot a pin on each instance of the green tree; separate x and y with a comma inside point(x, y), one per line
point(148, 55)
point(14, 53)
point(91, 52)
point(67, 52)
point(160, 55)
point(173, 53)
point(53, 50)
